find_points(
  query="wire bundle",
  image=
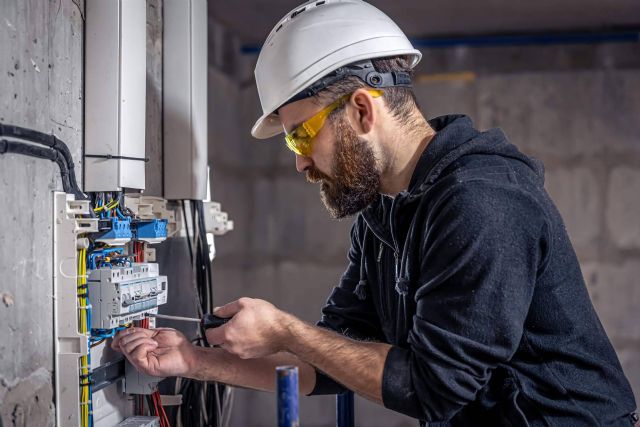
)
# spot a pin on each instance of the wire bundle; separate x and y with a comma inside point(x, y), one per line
point(158, 409)
point(204, 404)
point(84, 325)
point(56, 151)
point(154, 401)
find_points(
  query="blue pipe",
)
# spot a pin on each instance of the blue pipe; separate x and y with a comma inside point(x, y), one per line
point(287, 389)
point(345, 416)
point(543, 39)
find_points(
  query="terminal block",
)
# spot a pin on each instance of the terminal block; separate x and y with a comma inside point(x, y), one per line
point(150, 231)
point(117, 231)
point(120, 295)
point(135, 382)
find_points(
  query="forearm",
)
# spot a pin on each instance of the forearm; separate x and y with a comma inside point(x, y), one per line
point(215, 364)
point(357, 365)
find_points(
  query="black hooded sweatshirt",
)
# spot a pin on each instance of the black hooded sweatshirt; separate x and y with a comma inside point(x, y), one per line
point(471, 277)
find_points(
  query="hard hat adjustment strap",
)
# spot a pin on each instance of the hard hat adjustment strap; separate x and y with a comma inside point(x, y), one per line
point(364, 70)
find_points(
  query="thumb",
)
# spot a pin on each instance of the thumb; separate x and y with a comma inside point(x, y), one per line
point(227, 310)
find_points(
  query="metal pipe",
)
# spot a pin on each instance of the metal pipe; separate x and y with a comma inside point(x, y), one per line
point(287, 390)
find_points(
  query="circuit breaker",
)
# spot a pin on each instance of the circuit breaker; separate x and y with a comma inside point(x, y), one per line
point(120, 295)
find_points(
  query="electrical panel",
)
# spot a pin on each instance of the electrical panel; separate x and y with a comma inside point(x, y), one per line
point(120, 295)
point(105, 283)
point(115, 94)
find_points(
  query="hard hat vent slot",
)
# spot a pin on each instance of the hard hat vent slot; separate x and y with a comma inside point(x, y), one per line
point(298, 12)
point(320, 3)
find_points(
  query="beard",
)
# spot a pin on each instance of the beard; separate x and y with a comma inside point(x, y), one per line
point(356, 178)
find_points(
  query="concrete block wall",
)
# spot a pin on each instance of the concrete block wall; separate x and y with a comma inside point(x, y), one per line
point(571, 108)
point(40, 88)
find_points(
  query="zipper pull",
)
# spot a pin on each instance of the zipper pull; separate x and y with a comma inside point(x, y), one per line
point(380, 253)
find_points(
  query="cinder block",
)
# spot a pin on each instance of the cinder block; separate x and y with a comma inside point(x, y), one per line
point(615, 124)
point(303, 225)
point(227, 147)
point(290, 221)
point(303, 288)
point(623, 207)
point(577, 194)
point(262, 154)
point(234, 193)
point(438, 98)
point(615, 294)
point(546, 114)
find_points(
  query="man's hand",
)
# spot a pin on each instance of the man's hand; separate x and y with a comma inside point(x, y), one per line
point(159, 352)
point(257, 328)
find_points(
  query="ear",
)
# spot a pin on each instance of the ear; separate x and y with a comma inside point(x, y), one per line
point(363, 113)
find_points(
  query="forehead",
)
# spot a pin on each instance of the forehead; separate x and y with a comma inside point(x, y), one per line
point(292, 115)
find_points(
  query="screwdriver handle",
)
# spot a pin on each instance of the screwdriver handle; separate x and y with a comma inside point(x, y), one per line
point(213, 321)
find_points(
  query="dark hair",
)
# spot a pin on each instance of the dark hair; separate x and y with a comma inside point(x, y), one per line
point(401, 101)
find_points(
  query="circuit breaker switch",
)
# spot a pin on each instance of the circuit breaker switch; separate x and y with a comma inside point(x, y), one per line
point(120, 295)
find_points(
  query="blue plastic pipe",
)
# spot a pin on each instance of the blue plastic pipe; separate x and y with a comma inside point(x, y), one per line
point(345, 416)
point(588, 37)
point(287, 389)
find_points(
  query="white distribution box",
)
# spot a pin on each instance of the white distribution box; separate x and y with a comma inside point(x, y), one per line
point(115, 94)
point(184, 93)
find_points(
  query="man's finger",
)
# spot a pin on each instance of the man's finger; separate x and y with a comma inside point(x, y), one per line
point(128, 337)
point(140, 356)
point(122, 335)
point(131, 345)
point(215, 336)
point(227, 310)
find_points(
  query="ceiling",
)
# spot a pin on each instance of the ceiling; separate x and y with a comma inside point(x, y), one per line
point(252, 20)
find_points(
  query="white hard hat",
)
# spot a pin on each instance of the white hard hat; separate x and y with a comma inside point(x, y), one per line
point(316, 39)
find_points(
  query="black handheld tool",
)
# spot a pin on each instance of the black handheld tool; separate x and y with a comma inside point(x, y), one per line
point(208, 321)
point(213, 321)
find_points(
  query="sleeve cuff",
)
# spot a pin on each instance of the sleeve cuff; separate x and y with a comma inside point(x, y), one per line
point(397, 386)
point(326, 385)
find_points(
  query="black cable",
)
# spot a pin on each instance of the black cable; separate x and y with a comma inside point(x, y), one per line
point(192, 390)
point(25, 149)
point(52, 142)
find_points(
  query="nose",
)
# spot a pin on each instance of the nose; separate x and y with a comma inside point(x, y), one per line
point(303, 163)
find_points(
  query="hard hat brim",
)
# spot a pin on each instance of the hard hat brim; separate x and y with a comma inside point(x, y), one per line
point(267, 126)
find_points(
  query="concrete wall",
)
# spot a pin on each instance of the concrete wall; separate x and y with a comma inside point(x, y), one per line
point(40, 88)
point(574, 107)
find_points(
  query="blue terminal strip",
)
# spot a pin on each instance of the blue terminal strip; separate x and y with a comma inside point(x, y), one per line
point(150, 230)
point(120, 230)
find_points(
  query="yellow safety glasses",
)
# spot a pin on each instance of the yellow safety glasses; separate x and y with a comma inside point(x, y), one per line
point(300, 141)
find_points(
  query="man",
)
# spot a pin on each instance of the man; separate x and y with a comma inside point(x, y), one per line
point(463, 302)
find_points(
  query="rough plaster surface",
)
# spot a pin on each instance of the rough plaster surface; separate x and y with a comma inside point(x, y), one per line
point(40, 88)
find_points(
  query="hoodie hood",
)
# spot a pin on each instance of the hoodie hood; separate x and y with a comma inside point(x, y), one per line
point(456, 137)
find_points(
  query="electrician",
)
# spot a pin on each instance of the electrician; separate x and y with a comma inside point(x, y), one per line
point(463, 301)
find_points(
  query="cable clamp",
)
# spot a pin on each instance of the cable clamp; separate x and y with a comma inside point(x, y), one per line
point(112, 157)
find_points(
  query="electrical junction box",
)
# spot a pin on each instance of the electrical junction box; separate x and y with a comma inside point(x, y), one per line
point(120, 295)
point(184, 94)
point(115, 94)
